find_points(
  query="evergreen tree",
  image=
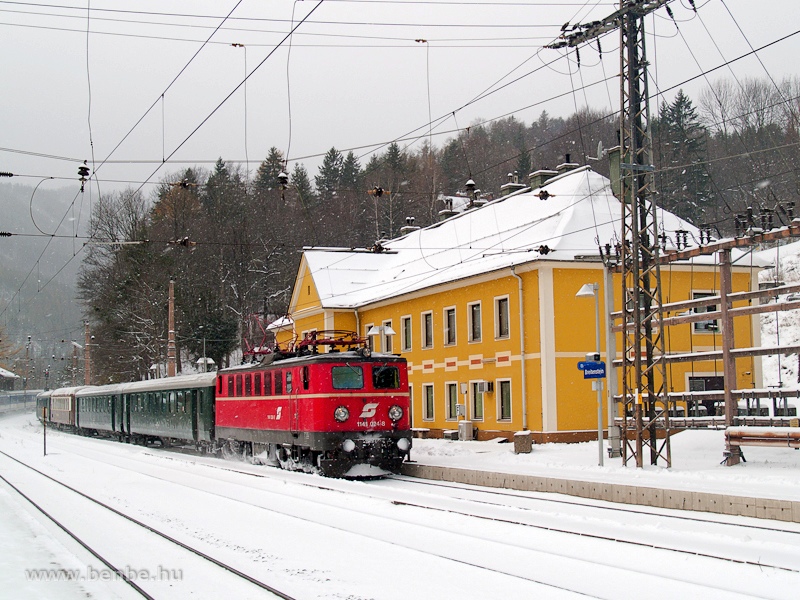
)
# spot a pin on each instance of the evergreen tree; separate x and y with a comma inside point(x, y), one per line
point(330, 174)
point(268, 171)
point(681, 156)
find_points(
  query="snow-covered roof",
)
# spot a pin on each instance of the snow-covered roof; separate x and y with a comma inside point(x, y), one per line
point(280, 324)
point(579, 213)
point(8, 374)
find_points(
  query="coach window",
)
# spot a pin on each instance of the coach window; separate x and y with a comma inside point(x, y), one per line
point(173, 406)
point(347, 378)
point(257, 384)
point(248, 385)
point(230, 385)
point(288, 382)
point(164, 403)
point(268, 383)
point(181, 402)
point(385, 377)
point(278, 383)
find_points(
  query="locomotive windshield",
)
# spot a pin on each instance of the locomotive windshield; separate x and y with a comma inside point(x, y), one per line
point(347, 378)
point(385, 378)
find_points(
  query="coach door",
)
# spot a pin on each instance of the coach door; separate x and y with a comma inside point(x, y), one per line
point(194, 410)
point(294, 405)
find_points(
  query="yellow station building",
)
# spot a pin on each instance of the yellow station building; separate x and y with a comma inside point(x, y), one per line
point(483, 306)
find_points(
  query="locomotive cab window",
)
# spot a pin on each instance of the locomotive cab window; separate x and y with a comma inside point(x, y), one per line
point(385, 377)
point(347, 378)
point(278, 383)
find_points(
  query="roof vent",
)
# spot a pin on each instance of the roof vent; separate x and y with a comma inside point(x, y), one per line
point(409, 226)
point(566, 165)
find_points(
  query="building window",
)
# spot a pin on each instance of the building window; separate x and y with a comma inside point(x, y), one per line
point(505, 400)
point(370, 338)
point(449, 326)
point(405, 327)
point(387, 339)
point(710, 326)
point(474, 311)
point(427, 330)
point(427, 399)
point(477, 401)
point(501, 317)
point(451, 389)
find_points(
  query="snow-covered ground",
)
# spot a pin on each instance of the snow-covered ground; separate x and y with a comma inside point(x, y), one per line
point(315, 538)
point(781, 328)
point(312, 537)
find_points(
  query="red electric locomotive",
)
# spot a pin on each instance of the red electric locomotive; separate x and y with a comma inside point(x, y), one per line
point(344, 412)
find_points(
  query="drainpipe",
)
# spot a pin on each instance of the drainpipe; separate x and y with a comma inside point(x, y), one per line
point(358, 323)
point(522, 349)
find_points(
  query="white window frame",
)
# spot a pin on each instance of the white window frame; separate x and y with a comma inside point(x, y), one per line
point(476, 396)
point(406, 325)
point(370, 338)
point(705, 327)
point(470, 325)
point(498, 385)
point(386, 340)
point(447, 330)
point(426, 333)
point(425, 415)
point(497, 301)
point(448, 385)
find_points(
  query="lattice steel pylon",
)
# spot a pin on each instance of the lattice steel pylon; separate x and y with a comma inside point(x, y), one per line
point(644, 374)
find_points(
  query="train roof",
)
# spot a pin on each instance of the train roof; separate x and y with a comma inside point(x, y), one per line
point(67, 391)
point(150, 385)
point(171, 383)
point(324, 356)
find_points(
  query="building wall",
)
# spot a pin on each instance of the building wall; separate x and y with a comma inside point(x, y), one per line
point(559, 329)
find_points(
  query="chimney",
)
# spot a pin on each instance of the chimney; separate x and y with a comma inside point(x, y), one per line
point(566, 165)
point(538, 178)
point(512, 185)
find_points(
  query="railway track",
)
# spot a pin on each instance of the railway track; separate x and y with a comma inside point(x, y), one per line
point(468, 508)
point(116, 569)
point(530, 517)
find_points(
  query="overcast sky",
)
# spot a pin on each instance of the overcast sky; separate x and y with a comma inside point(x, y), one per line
point(355, 75)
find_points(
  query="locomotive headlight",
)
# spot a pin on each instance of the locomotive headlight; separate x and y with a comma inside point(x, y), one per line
point(348, 445)
point(341, 414)
point(395, 413)
point(404, 444)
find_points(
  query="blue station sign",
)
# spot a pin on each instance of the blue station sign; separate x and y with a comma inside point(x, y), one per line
point(592, 369)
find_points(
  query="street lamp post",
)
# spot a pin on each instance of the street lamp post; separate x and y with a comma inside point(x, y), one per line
point(592, 290)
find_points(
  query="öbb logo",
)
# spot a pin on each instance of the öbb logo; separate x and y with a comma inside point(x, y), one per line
point(369, 410)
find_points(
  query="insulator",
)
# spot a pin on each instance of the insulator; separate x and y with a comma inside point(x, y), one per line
point(83, 171)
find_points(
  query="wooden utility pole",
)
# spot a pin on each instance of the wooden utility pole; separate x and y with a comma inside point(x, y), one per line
point(87, 356)
point(171, 370)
